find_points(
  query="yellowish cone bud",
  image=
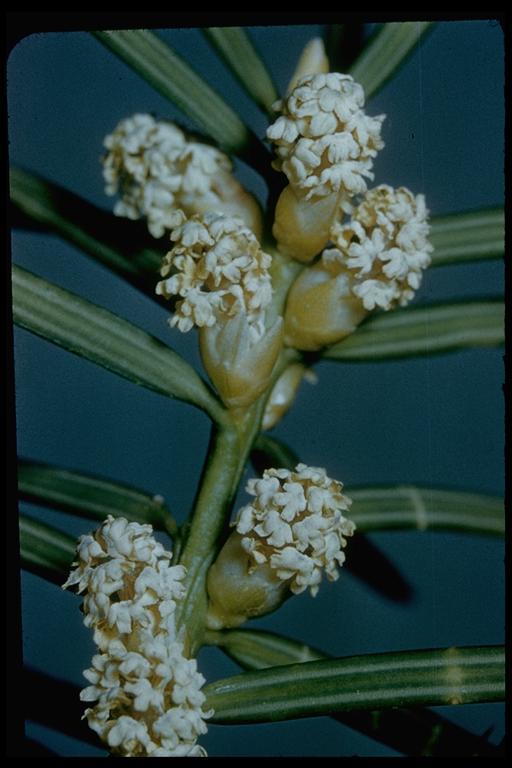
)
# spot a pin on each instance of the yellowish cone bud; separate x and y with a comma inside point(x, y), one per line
point(284, 392)
point(302, 227)
point(321, 308)
point(239, 362)
point(239, 590)
point(313, 61)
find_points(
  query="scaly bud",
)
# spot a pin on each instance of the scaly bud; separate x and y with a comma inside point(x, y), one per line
point(313, 61)
point(321, 308)
point(239, 358)
point(284, 392)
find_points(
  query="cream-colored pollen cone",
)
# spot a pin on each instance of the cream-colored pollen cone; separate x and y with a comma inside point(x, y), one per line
point(321, 308)
point(239, 590)
point(302, 227)
point(239, 366)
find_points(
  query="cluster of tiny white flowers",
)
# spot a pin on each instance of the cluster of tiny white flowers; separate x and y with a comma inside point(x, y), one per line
point(148, 694)
point(384, 246)
point(325, 142)
point(296, 525)
point(216, 267)
point(155, 169)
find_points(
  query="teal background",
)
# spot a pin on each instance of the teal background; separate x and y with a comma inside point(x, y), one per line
point(435, 421)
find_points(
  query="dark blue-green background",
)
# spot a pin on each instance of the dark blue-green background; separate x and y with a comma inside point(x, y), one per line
point(436, 421)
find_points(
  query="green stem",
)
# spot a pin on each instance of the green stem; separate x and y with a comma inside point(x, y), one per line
point(229, 450)
point(227, 455)
point(206, 526)
point(207, 530)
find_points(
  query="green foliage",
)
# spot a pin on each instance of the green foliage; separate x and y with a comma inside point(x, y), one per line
point(90, 497)
point(423, 330)
point(415, 731)
point(123, 246)
point(100, 336)
point(386, 52)
point(236, 48)
point(157, 63)
point(470, 236)
point(286, 679)
point(432, 677)
point(413, 507)
point(45, 550)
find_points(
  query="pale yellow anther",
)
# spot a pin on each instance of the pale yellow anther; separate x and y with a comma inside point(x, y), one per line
point(237, 591)
point(376, 260)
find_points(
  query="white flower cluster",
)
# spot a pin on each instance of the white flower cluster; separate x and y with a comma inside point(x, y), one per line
point(296, 525)
point(155, 169)
point(217, 267)
point(324, 140)
point(148, 694)
point(384, 246)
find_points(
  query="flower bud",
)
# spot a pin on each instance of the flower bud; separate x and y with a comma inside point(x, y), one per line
point(384, 246)
point(301, 226)
point(313, 61)
point(283, 393)
point(216, 268)
point(238, 591)
point(321, 308)
point(222, 277)
point(238, 358)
